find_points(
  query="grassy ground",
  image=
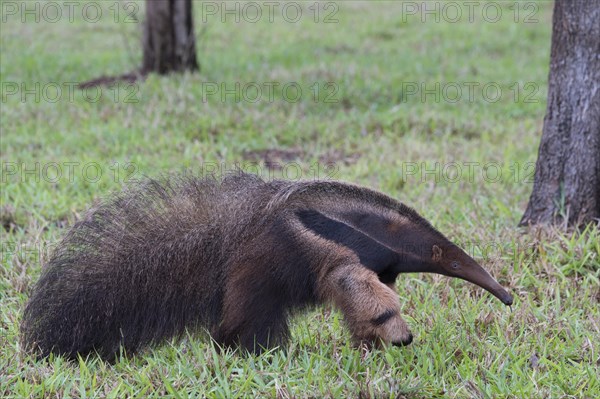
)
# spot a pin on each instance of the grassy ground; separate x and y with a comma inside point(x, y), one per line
point(464, 163)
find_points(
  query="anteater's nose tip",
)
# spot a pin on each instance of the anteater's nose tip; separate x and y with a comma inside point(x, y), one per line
point(507, 300)
point(405, 342)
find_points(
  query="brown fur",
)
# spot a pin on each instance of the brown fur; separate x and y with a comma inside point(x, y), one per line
point(235, 257)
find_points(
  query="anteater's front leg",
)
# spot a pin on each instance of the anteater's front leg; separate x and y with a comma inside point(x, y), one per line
point(370, 307)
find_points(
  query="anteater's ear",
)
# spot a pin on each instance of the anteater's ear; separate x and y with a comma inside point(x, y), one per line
point(372, 254)
point(436, 253)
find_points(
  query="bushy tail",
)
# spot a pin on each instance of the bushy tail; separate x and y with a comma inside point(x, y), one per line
point(138, 268)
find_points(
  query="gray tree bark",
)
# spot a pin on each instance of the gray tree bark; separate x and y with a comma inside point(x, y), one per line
point(567, 177)
point(169, 41)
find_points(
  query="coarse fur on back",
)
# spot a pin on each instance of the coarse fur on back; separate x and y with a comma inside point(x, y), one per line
point(234, 256)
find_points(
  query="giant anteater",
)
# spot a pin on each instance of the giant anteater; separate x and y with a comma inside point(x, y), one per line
point(234, 256)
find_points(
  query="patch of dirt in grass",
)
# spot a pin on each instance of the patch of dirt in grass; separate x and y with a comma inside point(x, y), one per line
point(8, 217)
point(337, 156)
point(276, 158)
point(130, 77)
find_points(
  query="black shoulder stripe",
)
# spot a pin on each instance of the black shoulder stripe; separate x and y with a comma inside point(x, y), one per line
point(382, 318)
point(372, 254)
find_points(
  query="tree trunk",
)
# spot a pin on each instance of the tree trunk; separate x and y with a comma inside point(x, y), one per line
point(169, 41)
point(567, 177)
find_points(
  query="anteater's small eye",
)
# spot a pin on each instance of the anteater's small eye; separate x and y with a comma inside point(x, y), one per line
point(455, 265)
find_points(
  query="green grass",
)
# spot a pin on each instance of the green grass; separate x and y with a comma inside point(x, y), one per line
point(467, 344)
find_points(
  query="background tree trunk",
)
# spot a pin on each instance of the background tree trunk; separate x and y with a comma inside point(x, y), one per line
point(567, 176)
point(169, 41)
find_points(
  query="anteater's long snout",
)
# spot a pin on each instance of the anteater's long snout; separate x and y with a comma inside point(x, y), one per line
point(501, 294)
point(477, 275)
